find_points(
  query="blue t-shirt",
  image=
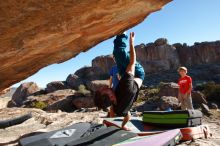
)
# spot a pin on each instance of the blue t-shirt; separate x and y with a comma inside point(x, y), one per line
point(114, 73)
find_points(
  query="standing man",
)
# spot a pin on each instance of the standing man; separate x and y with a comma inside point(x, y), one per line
point(185, 88)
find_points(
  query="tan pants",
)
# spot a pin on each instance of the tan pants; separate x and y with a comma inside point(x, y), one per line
point(186, 101)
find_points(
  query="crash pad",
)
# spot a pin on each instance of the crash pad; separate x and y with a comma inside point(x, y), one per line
point(58, 137)
point(135, 125)
point(103, 137)
point(168, 138)
point(175, 119)
point(192, 133)
point(15, 121)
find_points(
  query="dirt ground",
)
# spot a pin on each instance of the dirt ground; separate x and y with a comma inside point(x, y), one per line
point(51, 121)
point(213, 122)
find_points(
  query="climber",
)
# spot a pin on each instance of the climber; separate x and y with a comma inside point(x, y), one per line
point(132, 75)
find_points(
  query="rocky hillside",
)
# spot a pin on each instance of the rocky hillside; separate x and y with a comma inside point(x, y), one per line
point(161, 59)
point(35, 34)
point(162, 56)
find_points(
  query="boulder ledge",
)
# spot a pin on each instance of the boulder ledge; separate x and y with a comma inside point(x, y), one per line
point(35, 34)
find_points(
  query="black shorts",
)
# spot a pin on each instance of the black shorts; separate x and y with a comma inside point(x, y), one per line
point(126, 94)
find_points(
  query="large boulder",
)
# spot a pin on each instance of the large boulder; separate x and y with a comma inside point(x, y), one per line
point(104, 62)
point(161, 42)
point(56, 85)
point(83, 102)
point(58, 100)
point(73, 81)
point(22, 92)
point(158, 56)
point(35, 34)
point(97, 84)
point(146, 107)
point(167, 102)
point(169, 89)
point(198, 98)
point(205, 109)
point(213, 106)
point(90, 73)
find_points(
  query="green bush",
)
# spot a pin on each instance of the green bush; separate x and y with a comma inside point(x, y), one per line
point(82, 90)
point(147, 94)
point(39, 104)
point(211, 90)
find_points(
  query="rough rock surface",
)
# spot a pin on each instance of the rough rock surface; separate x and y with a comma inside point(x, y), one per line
point(158, 56)
point(161, 56)
point(73, 81)
point(58, 100)
point(46, 122)
point(169, 89)
point(35, 34)
point(83, 102)
point(161, 60)
point(199, 53)
point(95, 85)
point(205, 109)
point(104, 62)
point(90, 73)
point(199, 73)
point(198, 98)
point(56, 85)
point(168, 102)
point(213, 106)
point(23, 91)
point(42, 121)
point(146, 107)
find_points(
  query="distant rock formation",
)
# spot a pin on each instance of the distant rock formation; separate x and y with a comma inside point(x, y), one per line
point(35, 34)
point(104, 62)
point(160, 61)
point(90, 73)
point(22, 92)
point(199, 53)
point(161, 56)
point(157, 56)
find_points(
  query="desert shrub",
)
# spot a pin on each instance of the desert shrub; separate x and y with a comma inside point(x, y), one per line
point(210, 89)
point(82, 90)
point(39, 104)
point(153, 92)
point(147, 94)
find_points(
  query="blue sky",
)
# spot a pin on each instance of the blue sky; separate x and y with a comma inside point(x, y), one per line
point(184, 21)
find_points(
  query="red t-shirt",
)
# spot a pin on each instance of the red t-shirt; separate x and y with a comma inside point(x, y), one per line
point(184, 84)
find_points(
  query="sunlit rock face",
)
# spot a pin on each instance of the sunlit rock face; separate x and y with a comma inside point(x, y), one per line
point(104, 62)
point(35, 34)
